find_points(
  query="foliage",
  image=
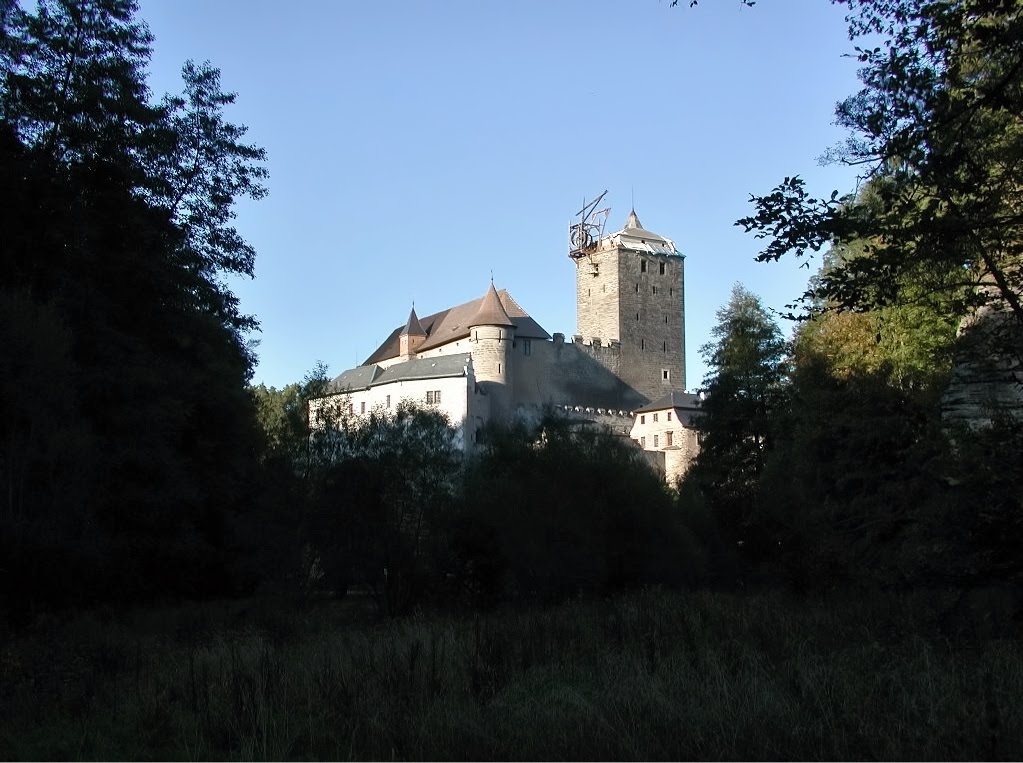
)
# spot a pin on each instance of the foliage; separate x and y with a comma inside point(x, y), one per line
point(560, 509)
point(120, 295)
point(744, 392)
point(938, 127)
point(651, 675)
point(379, 488)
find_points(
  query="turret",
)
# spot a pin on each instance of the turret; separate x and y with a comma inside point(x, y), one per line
point(491, 333)
point(412, 336)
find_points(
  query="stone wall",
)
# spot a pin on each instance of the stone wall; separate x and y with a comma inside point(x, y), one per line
point(597, 295)
point(652, 329)
point(623, 296)
point(987, 378)
point(572, 373)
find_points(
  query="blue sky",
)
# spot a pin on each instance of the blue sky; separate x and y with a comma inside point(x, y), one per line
point(417, 147)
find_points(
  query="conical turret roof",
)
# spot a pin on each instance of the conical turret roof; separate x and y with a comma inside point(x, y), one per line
point(491, 312)
point(413, 327)
point(633, 221)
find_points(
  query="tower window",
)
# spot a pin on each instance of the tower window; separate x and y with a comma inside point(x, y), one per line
point(527, 347)
point(642, 266)
point(653, 289)
point(664, 346)
point(637, 316)
point(665, 374)
point(662, 268)
point(671, 292)
point(665, 318)
point(642, 344)
point(637, 288)
point(498, 368)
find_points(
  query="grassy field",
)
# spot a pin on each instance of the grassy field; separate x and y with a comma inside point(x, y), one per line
point(652, 675)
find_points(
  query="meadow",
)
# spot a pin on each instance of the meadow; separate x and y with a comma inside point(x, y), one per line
point(649, 675)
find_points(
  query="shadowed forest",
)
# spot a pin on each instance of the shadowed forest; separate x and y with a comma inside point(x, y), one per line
point(186, 571)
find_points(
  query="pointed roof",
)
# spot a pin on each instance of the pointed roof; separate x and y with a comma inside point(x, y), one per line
point(638, 239)
point(491, 312)
point(413, 327)
point(452, 324)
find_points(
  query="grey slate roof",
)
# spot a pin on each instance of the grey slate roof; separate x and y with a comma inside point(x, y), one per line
point(413, 327)
point(425, 368)
point(364, 377)
point(637, 238)
point(453, 323)
point(354, 378)
point(681, 400)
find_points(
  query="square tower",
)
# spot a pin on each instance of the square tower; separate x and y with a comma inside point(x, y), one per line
point(630, 289)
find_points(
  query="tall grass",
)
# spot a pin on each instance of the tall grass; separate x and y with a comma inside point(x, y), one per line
point(653, 675)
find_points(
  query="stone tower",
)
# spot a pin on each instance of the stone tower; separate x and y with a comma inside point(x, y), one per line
point(491, 333)
point(629, 289)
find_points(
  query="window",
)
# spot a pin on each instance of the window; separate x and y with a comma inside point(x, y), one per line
point(653, 289)
point(642, 419)
point(642, 266)
point(664, 346)
point(362, 407)
point(655, 441)
point(642, 441)
point(665, 318)
point(388, 401)
point(527, 347)
point(662, 268)
point(669, 415)
point(642, 344)
point(665, 374)
point(433, 397)
point(498, 368)
point(637, 288)
point(667, 438)
point(351, 409)
point(670, 291)
point(637, 316)
point(655, 417)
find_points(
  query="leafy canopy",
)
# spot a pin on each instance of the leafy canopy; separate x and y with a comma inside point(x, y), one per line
point(938, 127)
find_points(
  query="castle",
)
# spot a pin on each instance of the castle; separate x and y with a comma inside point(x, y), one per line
point(489, 359)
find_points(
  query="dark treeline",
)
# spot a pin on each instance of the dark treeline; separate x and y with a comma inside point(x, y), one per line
point(137, 465)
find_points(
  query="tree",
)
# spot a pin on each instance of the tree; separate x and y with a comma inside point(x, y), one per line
point(938, 125)
point(744, 393)
point(553, 510)
point(151, 340)
point(380, 486)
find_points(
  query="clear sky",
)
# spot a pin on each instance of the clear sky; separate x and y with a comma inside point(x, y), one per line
point(417, 147)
